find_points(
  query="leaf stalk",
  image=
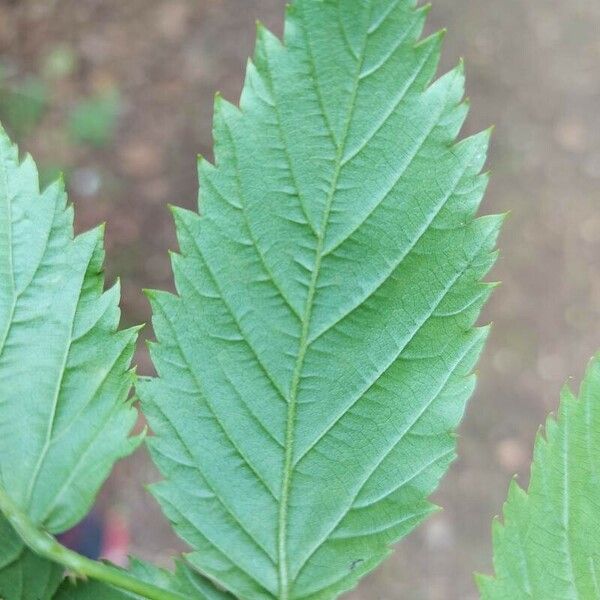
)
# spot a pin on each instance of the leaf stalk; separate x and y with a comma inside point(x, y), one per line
point(47, 546)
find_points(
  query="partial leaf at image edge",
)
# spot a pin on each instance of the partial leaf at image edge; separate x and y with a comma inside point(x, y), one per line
point(183, 580)
point(23, 575)
point(27, 576)
point(65, 416)
point(317, 357)
point(548, 545)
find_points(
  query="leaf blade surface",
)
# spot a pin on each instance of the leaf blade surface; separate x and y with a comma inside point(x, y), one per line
point(548, 545)
point(317, 356)
point(23, 575)
point(183, 580)
point(64, 367)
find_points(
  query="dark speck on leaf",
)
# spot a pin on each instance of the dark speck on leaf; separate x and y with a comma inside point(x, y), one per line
point(355, 563)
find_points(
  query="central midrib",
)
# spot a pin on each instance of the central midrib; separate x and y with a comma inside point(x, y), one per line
point(284, 583)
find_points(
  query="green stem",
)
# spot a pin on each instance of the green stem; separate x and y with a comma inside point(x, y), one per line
point(47, 546)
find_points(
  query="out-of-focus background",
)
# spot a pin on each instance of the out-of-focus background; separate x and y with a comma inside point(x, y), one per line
point(118, 95)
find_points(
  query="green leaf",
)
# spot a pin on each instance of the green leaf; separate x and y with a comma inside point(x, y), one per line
point(64, 367)
point(22, 106)
point(548, 547)
point(23, 575)
point(317, 358)
point(183, 580)
point(60, 62)
point(92, 590)
point(94, 120)
point(27, 576)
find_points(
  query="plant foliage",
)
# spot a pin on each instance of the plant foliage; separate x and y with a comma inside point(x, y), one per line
point(65, 416)
point(318, 354)
point(64, 367)
point(549, 544)
point(23, 574)
point(183, 580)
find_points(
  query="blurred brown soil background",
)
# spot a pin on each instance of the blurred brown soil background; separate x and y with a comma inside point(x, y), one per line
point(533, 69)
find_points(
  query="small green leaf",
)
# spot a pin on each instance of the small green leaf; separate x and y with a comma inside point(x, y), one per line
point(317, 357)
point(93, 120)
point(548, 547)
point(64, 368)
point(60, 62)
point(22, 105)
point(183, 580)
point(23, 575)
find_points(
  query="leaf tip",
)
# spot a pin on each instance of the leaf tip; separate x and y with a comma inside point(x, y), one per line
point(435, 39)
point(149, 293)
point(503, 216)
point(136, 329)
point(175, 210)
point(426, 8)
